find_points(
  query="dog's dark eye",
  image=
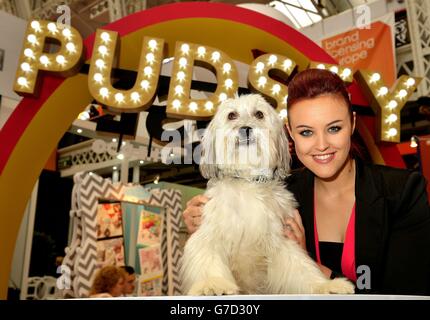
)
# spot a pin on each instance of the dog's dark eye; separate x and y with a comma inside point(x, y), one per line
point(232, 116)
point(259, 115)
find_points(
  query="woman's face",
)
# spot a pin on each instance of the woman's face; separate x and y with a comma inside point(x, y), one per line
point(321, 129)
point(118, 289)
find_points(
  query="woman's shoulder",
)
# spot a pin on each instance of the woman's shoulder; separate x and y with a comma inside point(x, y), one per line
point(395, 180)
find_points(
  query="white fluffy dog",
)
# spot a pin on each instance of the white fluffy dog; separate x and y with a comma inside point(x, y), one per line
point(240, 246)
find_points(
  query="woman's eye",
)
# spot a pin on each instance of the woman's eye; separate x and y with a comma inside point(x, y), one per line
point(232, 116)
point(334, 129)
point(259, 115)
point(306, 133)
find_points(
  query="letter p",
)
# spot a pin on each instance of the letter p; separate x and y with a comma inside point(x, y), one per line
point(65, 62)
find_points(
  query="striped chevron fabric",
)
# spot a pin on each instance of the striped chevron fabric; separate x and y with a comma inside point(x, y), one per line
point(170, 199)
point(81, 254)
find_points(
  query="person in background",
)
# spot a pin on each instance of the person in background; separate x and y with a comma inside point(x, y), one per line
point(355, 219)
point(130, 280)
point(109, 282)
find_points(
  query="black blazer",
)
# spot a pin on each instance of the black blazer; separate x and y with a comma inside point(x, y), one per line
point(392, 226)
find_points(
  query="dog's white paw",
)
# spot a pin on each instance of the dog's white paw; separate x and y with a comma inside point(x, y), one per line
point(338, 285)
point(215, 286)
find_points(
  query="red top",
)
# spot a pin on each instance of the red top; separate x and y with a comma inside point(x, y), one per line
point(348, 253)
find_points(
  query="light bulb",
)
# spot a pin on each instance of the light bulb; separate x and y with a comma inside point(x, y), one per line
point(383, 91)
point(410, 82)
point(180, 76)
point(25, 66)
point(392, 132)
point(29, 53)
point(272, 59)
point(176, 104)
point(209, 105)
point(22, 81)
point(147, 71)
point(150, 58)
point(346, 73)
point(185, 48)
point(119, 97)
point(222, 97)
point(193, 106)
point(259, 67)
point(70, 46)
point(392, 118)
point(402, 93)
point(201, 51)
point(179, 90)
point(32, 39)
point(98, 77)
point(283, 113)
point(105, 37)
point(215, 56)
point(144, 84)
point(262, 81)
point(287, 64)
point(375, 77)
point(60, 60)
point(35, 25)
point(100, 63)
point(226, 67)
point(152, 44)
point(228, 83)
point(67, 33)
point(276, 88)
point(392, 104)
point(135, 96)
point(104, 92)
point(183, 62)
point(102, 50)
point(52, 27)
point(44, 60)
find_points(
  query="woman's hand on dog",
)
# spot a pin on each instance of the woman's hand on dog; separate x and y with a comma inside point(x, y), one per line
point(293, 227)
point(294, 230)
point(193, 213)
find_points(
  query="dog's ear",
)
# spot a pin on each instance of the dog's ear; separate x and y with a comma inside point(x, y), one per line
point(208, 167)
point(284, 158)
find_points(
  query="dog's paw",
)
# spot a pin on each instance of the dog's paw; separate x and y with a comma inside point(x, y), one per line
point(338, 286)
point(215, 286)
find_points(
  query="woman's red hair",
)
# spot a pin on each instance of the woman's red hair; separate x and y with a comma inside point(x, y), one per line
point(313, 83)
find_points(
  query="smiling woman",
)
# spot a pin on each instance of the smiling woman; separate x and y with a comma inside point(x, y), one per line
point(356, 216)
point(323, 143)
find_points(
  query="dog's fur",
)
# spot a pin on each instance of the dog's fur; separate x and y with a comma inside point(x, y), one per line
point(240, 246)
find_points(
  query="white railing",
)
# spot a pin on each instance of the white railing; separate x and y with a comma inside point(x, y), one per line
point(88, 156)
point(419, 25)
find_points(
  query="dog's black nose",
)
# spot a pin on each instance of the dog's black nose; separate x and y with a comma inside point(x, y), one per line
point(245, 132)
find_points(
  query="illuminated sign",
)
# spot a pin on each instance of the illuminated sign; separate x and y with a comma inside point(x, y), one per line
point(386, 102)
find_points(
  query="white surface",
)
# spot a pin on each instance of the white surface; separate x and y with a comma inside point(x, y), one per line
point(11, 41)
point(282, 297)
point(344, 21)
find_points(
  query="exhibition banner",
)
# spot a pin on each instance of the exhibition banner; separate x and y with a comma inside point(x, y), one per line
point(366, 48)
